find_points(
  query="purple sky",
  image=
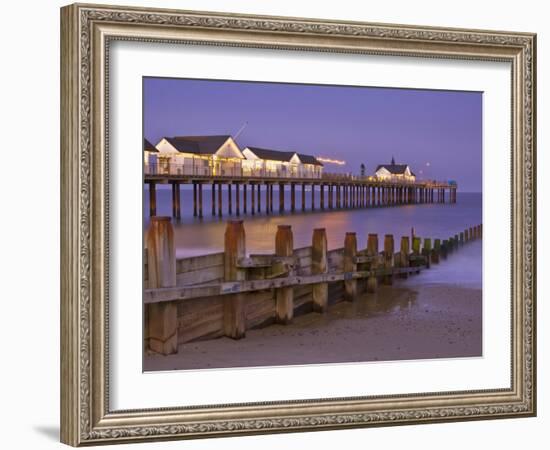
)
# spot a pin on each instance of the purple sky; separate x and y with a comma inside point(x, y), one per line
point(355, 124)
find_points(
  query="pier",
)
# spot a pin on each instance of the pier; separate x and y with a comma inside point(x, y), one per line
point(251, 195)
point(227, 293)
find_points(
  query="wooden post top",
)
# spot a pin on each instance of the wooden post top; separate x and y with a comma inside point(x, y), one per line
point(284, 241)
point(416, 245)
point(350, 243)
point(372, 244)
point(427, 244)
point(234, 248)
point(319, 238)
point(388, 243)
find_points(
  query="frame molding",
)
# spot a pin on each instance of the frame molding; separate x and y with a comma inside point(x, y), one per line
point(86, 31)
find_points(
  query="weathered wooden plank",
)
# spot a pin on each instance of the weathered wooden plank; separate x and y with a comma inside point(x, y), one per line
point(260, 308)
point(201, 276)
point(254, 261)
point(234, 287)
point(302, 252)
point(199, 262)
point(200, 318)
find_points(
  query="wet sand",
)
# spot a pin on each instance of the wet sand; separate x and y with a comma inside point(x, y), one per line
point(399, 322)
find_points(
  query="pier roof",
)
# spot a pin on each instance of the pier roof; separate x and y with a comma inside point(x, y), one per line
point(201, 145)
point(271, 155)
point(148, 147)
point(308, 159)
point(277, 155)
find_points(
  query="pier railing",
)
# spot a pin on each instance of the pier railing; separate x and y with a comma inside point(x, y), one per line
point(235, 170)
point(224, 294)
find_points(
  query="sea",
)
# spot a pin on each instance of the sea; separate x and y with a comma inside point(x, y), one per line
point(199, 236)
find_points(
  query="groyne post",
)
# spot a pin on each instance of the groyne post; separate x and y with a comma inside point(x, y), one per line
point(350, 265)
point(372, 251)
point(416, 242)
point(427, 251)
point(436, 251)
point(388, 258)
point(404, 254)
point(284, 246)
point(234, 319)
point(319, 264)
point(444, 248)
point(161, 318)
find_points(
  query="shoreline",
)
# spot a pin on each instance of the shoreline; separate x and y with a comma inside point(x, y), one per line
point(396, 323)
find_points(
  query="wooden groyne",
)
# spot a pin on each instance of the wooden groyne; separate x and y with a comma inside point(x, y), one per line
point(227, 293)
point(255, 195)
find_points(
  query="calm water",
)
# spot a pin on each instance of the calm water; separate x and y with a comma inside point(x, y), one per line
point(201, 236)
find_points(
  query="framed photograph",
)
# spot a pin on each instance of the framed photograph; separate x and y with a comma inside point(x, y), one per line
point(276, 224)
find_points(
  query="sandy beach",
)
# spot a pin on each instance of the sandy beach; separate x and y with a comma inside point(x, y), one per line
point(398, 322)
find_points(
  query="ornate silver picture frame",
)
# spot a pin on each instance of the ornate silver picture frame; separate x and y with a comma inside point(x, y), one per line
point(87, 32)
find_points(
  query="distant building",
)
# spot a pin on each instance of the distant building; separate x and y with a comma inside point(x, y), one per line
point(200, 155)
point(394, 171)
point(275, 163)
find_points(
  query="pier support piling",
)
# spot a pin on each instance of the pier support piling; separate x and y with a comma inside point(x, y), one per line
point(220, 200)
point(245, 206)
point(237, 199)
point(213, 199)
point(229, 199)
point(176, 200)
point(252, 200)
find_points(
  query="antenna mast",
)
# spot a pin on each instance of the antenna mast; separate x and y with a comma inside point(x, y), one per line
point(240, 130)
